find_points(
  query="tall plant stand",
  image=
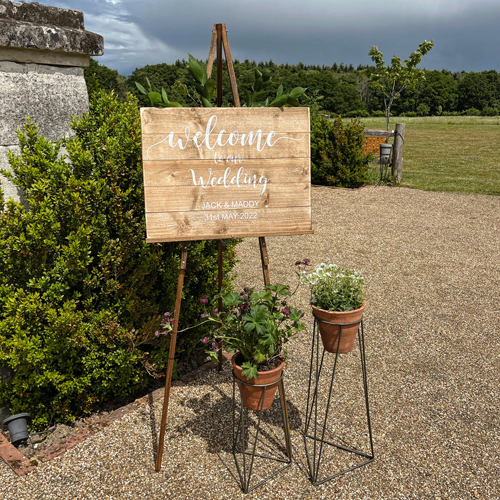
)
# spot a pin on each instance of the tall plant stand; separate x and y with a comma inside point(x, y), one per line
point(315, 425)
point(240, 431)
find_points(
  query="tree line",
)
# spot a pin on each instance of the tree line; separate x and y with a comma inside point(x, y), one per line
point(336, 90)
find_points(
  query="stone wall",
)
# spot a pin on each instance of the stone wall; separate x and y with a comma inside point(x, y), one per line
point(42, 54)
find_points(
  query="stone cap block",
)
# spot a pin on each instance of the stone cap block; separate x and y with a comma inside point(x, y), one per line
point(41, 14)
point(30, 32)
point(14, 34)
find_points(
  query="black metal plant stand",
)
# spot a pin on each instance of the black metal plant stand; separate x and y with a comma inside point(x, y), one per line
point(245, 472)
point(317, 433)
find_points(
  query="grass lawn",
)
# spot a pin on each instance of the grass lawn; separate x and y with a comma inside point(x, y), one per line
point(449, 153)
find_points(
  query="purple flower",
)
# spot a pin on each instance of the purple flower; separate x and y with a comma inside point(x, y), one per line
point(157, 333)
point(285, 311)
point(204, 301)
point(298, 263)
point(307, 262)
point(203, 315)
point(215, 345)
point(163, 321)
point(246, 289)
point(216, 311)
point(167, 315)
point(171, 321)
point(205, 340)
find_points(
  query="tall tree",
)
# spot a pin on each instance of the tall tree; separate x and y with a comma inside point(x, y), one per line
point(393, 79)
point(479, 90)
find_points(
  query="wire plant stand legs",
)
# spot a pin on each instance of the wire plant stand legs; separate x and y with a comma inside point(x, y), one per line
point(240, 427)
point(315, 429)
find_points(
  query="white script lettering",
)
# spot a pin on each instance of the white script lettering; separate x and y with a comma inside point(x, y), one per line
point(240, 179)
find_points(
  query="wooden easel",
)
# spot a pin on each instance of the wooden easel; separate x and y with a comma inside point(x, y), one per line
point(219, 40)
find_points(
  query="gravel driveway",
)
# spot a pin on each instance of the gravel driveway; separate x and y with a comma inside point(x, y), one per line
point(432, 270)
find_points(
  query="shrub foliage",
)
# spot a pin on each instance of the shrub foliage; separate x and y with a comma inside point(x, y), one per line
point(337, 157)
point(81, 293)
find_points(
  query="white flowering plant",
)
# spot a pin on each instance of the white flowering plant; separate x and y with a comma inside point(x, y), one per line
point(332, 287)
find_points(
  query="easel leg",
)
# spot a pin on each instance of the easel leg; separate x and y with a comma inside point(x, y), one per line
point(265, 259)
point(219, 366)
point(171, 354)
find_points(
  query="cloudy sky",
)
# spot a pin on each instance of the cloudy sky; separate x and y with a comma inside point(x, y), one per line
point(466, 34)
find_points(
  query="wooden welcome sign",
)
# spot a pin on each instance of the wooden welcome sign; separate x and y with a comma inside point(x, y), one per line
point(213, 173)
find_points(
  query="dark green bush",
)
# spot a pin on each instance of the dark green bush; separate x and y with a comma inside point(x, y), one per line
point(473, 112)
point(378, 113)
point(490, 111)
point(423, 110)
point(411, 114)
point(337, 157)
point(81, 293)
point(358, 113)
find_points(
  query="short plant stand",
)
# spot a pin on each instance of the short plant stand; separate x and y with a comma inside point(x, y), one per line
point(241, 436)
point(325, 435)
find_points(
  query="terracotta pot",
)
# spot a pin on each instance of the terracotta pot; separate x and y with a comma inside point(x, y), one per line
point(330, 333)
point(252, 396)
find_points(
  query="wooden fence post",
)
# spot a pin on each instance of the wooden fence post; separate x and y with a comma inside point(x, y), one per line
point(397, 152)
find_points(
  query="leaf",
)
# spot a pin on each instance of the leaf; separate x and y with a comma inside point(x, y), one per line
point(155, 98)
point(196, 70)
point(259, 95)
point(258, 84)
point(206, 102)
point(209, 88)
point(297, 92)
point(164, 96)
point(258, 74)
point(214, 356)
point(197, 86)
point(249, 370)
point(248, 97)
point(141, 88)
point(293, 102)
point(279, 91)
point(280, 101)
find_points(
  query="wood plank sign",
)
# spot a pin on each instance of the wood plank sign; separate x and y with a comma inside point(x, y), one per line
point(214, 173)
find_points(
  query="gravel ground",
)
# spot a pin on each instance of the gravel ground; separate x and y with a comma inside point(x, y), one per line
point(431, 263)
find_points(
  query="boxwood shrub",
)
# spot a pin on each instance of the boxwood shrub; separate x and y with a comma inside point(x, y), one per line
point(337, 157)
point(81, 292)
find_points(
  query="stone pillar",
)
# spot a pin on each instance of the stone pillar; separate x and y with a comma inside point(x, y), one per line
point(42, 54)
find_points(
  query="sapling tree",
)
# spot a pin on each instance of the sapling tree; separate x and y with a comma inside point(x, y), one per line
point(392, 80)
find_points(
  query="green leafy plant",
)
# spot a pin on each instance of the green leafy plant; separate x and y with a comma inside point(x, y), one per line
point(81, 292)
point(337, 157)
point(257, 324)
point(157, 99)
point(205, 88)
point(332, 287)
point(259, 91)
point(394, 79)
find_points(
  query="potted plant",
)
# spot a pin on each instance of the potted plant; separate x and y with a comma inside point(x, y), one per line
point(336, 297)
point(256, 326)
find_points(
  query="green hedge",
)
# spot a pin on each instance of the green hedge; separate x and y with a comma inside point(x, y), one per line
point(81, 293)
point(337, 157)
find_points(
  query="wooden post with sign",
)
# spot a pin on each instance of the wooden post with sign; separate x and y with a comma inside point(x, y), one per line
point(214, 173)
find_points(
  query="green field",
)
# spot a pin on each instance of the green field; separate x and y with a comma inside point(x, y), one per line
point(448, 153)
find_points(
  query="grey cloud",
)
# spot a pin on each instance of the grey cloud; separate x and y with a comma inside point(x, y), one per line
point(322, 32)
